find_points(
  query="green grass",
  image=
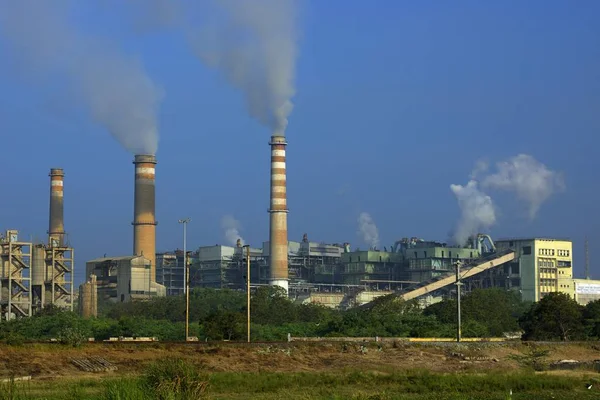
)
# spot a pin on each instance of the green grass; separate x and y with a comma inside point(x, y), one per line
point(176, 380)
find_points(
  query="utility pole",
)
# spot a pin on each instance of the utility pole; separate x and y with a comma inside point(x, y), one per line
point(248, 287)
point(458, 285)
point(587, 260)
point(186, 279)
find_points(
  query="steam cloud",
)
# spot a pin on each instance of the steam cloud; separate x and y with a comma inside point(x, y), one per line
point(368, 230)
point(477, 211)
point(529, 179)
point(253, 44)
point(232, 229)
point(113, 86)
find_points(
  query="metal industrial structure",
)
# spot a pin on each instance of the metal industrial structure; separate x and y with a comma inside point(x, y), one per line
point(36, 275)
point(15, 266)
point(53, 263)
point(278, 234)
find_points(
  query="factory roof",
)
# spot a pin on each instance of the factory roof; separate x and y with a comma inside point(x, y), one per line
point(521, 239)
point(120, 258)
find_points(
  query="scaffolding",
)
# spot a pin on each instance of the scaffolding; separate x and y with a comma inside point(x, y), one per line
point(15, 267)
point(59, 276)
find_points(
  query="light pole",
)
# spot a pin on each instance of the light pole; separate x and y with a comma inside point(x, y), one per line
point(248, 287)
point(458, 285)
point(186, 280)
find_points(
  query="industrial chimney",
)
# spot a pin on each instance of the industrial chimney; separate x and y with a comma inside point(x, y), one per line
point(278, 236)
point(56, 229)
point(144, 224)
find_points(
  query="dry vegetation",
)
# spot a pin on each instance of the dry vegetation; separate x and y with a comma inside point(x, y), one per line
point(53, 361)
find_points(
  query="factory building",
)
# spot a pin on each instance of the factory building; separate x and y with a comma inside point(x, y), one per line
point(224, 267)
point(309, 261)
point(170, 272)
point(542, 266)
point(123, 279)
point(373, 268)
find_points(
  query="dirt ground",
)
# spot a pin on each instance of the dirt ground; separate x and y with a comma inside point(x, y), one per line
point(51, 361)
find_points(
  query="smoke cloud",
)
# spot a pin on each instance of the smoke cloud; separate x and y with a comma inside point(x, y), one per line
point(368, 230)
point(253, 44)
point(477, 211)
point(232, 229)
point(529, 179)
point(112, 85)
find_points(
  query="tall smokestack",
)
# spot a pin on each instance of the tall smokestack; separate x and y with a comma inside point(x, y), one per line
point(278, 236)
point(144, 224)
point(56, 228)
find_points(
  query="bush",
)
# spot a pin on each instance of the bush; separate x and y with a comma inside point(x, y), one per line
point(72, 336)
point(175, 379)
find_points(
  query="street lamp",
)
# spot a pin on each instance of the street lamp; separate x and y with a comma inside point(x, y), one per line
point(186, 280)
point(248, 287)
point(458, 285)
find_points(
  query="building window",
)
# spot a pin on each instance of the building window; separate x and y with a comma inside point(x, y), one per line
point(450, 254)
point(527, 250)
point(425, 256)
point(442, 254)
point(511, 244)
point(417, 256)
point(471, 256)
point(515, 268)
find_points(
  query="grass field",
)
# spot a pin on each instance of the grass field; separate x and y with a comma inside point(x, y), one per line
point(306, 371)
point(348, 385)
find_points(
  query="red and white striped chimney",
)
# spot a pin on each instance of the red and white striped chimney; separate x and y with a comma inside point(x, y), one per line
point(278, 235)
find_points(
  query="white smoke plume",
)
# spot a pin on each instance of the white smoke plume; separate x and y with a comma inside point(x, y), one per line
point(232, 229)
point(529, 179)
point(112, 85)
point(254, 45)
point(477, 211)
point(368, 230)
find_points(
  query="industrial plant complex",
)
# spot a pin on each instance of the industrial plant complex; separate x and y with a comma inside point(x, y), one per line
point(35, 275)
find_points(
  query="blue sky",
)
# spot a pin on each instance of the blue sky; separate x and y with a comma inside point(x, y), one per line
point(395, 102)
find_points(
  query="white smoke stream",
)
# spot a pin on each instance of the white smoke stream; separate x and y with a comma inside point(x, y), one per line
point(477, 211)
point(232, 227)
point(528, 178)
point(253, 45)
point(112, 85)
point(368, 230)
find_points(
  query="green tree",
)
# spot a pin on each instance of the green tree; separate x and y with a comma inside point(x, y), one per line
point(591, 317)
point(485, 312)
point(555, 316)
point(224, 324)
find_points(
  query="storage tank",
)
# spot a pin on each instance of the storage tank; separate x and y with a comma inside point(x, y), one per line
point(88, 300)
point(38, 265)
